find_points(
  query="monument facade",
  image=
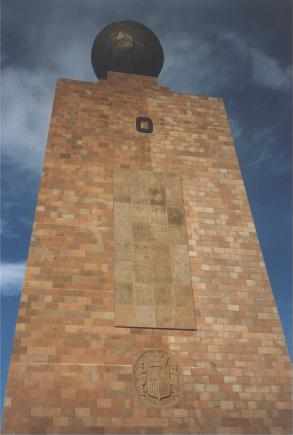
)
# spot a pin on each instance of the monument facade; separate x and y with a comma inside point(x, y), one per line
point(146, 306)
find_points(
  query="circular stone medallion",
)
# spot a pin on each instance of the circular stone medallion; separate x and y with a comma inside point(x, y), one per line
point(156, 378)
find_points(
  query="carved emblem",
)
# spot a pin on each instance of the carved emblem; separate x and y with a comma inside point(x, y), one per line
point(122, 40)
point(156, 378)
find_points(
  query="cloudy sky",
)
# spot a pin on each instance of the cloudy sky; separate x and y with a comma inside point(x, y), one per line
point(239, 50)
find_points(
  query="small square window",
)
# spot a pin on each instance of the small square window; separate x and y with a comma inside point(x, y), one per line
point(144, 124)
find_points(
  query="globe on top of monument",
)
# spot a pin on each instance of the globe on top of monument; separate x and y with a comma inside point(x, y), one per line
point(128, 47)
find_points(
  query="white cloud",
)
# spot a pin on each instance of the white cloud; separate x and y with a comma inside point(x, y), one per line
point(26, 107)
point(265, 70)
point(268, 72)
point(264, 155)
point(5, 227)
point(27, 99)
point(12, 275)
point(205, 64)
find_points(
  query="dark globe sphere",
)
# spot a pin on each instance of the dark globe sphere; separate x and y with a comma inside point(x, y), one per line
point(128, 47)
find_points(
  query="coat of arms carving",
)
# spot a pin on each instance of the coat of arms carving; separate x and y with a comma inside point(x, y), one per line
point(156, 378)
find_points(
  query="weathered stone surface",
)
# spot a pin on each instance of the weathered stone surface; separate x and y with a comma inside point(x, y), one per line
point(159, 262)
point(157, 378)
point(72, 368)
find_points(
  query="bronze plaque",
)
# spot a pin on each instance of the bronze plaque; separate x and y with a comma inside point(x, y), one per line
point(152, 274)
point(156, 378)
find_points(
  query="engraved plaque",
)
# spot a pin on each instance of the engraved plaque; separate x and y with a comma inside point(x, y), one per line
point(152, 276)
point(156, 378)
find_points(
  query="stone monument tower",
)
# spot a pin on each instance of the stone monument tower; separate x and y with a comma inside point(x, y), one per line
point(146, 306)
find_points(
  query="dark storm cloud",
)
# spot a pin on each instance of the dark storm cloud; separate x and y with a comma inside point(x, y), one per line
point(35, 29)
point(219, 45)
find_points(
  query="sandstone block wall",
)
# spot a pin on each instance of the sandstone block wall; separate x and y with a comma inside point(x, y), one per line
point(73, 371)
